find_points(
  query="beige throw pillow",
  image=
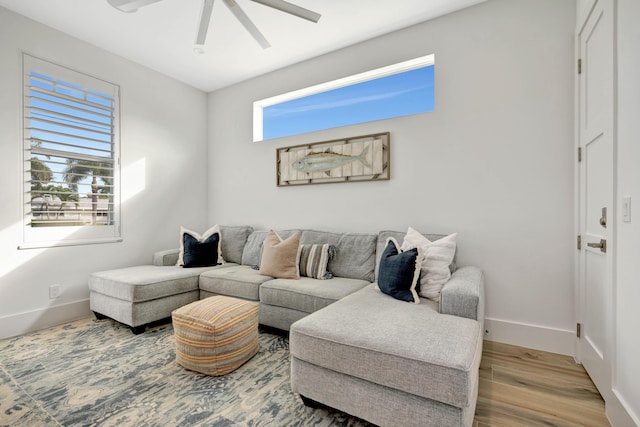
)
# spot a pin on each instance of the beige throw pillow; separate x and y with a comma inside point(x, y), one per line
point(280, 257)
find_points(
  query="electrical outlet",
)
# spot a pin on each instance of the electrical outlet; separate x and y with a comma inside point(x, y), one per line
point(54, 291)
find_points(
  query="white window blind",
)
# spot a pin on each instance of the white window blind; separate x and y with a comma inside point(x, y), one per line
point(71, 156)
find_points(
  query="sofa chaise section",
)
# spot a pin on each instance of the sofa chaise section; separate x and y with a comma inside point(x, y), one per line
point(387, 340)
point(143, 294)
point(391, 362)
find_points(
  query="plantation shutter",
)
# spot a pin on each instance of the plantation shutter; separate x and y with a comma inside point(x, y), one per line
point(71, 152)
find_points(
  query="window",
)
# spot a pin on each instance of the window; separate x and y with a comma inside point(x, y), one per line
point(71, 156)
point(397, 90)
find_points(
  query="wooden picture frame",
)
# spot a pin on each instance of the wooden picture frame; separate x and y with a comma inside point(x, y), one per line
point(359, 158)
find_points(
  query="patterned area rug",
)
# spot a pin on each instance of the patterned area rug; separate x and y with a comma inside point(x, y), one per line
point(97, 373)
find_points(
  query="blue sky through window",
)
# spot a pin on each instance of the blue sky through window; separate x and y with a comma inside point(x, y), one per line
point(402, 94)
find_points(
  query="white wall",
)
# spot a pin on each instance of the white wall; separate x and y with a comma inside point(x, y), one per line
point(163, 128)
point(627, 352)
point(493, 162)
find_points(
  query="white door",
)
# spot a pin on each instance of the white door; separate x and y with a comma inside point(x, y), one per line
point(596, 194)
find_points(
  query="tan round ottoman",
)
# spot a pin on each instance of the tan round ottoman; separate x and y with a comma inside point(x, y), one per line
point(216, 335)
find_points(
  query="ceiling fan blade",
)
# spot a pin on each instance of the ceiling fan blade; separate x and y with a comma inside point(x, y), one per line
point(205, 18)
point(292, 9)
point(130, 6)
point(246, 22)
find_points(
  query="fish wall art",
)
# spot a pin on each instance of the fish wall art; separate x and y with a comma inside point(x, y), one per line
point(360, 158)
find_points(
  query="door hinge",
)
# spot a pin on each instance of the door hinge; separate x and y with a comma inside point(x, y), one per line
point(579, 66)
point(579, 154)
point(578, 328)
point(579, 242)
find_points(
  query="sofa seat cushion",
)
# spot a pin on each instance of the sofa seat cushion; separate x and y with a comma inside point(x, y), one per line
point(239, 281)
point(407, 347)
point(147, 282)
point(307, 294)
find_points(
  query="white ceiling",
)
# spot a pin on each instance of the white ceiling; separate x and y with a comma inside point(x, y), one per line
point(161, 35)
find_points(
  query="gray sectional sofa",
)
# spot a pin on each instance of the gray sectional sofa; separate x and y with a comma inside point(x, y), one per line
point(352, 347)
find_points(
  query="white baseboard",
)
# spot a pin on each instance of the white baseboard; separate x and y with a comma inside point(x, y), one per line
point(531, 336)
point(21, 323)
point(620, 413)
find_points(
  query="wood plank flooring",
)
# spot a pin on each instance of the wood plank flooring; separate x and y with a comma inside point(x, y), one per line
point(524, 387)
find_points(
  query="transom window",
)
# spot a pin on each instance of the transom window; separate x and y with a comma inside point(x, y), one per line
point(71, 156)
point(397, 90)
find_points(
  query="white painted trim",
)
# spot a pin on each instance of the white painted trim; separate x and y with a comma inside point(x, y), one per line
point(619, 412)
point(57, 244)
point(583, 9)
point(576, 180)
point(531, 336)
point(22, 323)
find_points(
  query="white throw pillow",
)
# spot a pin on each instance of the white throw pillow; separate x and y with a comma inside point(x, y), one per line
point(438, 256)
point(213, 230)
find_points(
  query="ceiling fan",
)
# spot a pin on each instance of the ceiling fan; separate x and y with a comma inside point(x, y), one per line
point(130, 6)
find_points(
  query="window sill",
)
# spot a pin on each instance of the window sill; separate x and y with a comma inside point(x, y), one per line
point(41, 245)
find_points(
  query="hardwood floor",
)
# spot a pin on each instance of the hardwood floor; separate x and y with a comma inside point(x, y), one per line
point(525, 387)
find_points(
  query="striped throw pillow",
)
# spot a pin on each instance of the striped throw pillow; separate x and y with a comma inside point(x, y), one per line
point(314, 260)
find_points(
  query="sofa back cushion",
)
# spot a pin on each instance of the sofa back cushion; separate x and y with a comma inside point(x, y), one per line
point(399, 236)
point(355, 252)
point(233, 240)
point(253, 246)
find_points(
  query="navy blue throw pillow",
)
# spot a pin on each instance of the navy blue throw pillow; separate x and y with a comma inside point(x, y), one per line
point(399, 271)
point(200, 254)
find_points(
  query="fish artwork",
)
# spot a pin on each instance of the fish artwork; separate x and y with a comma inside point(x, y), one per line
point(326, 160)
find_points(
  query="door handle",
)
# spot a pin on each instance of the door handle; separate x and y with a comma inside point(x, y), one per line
point(603, 218)
point(602, 245)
